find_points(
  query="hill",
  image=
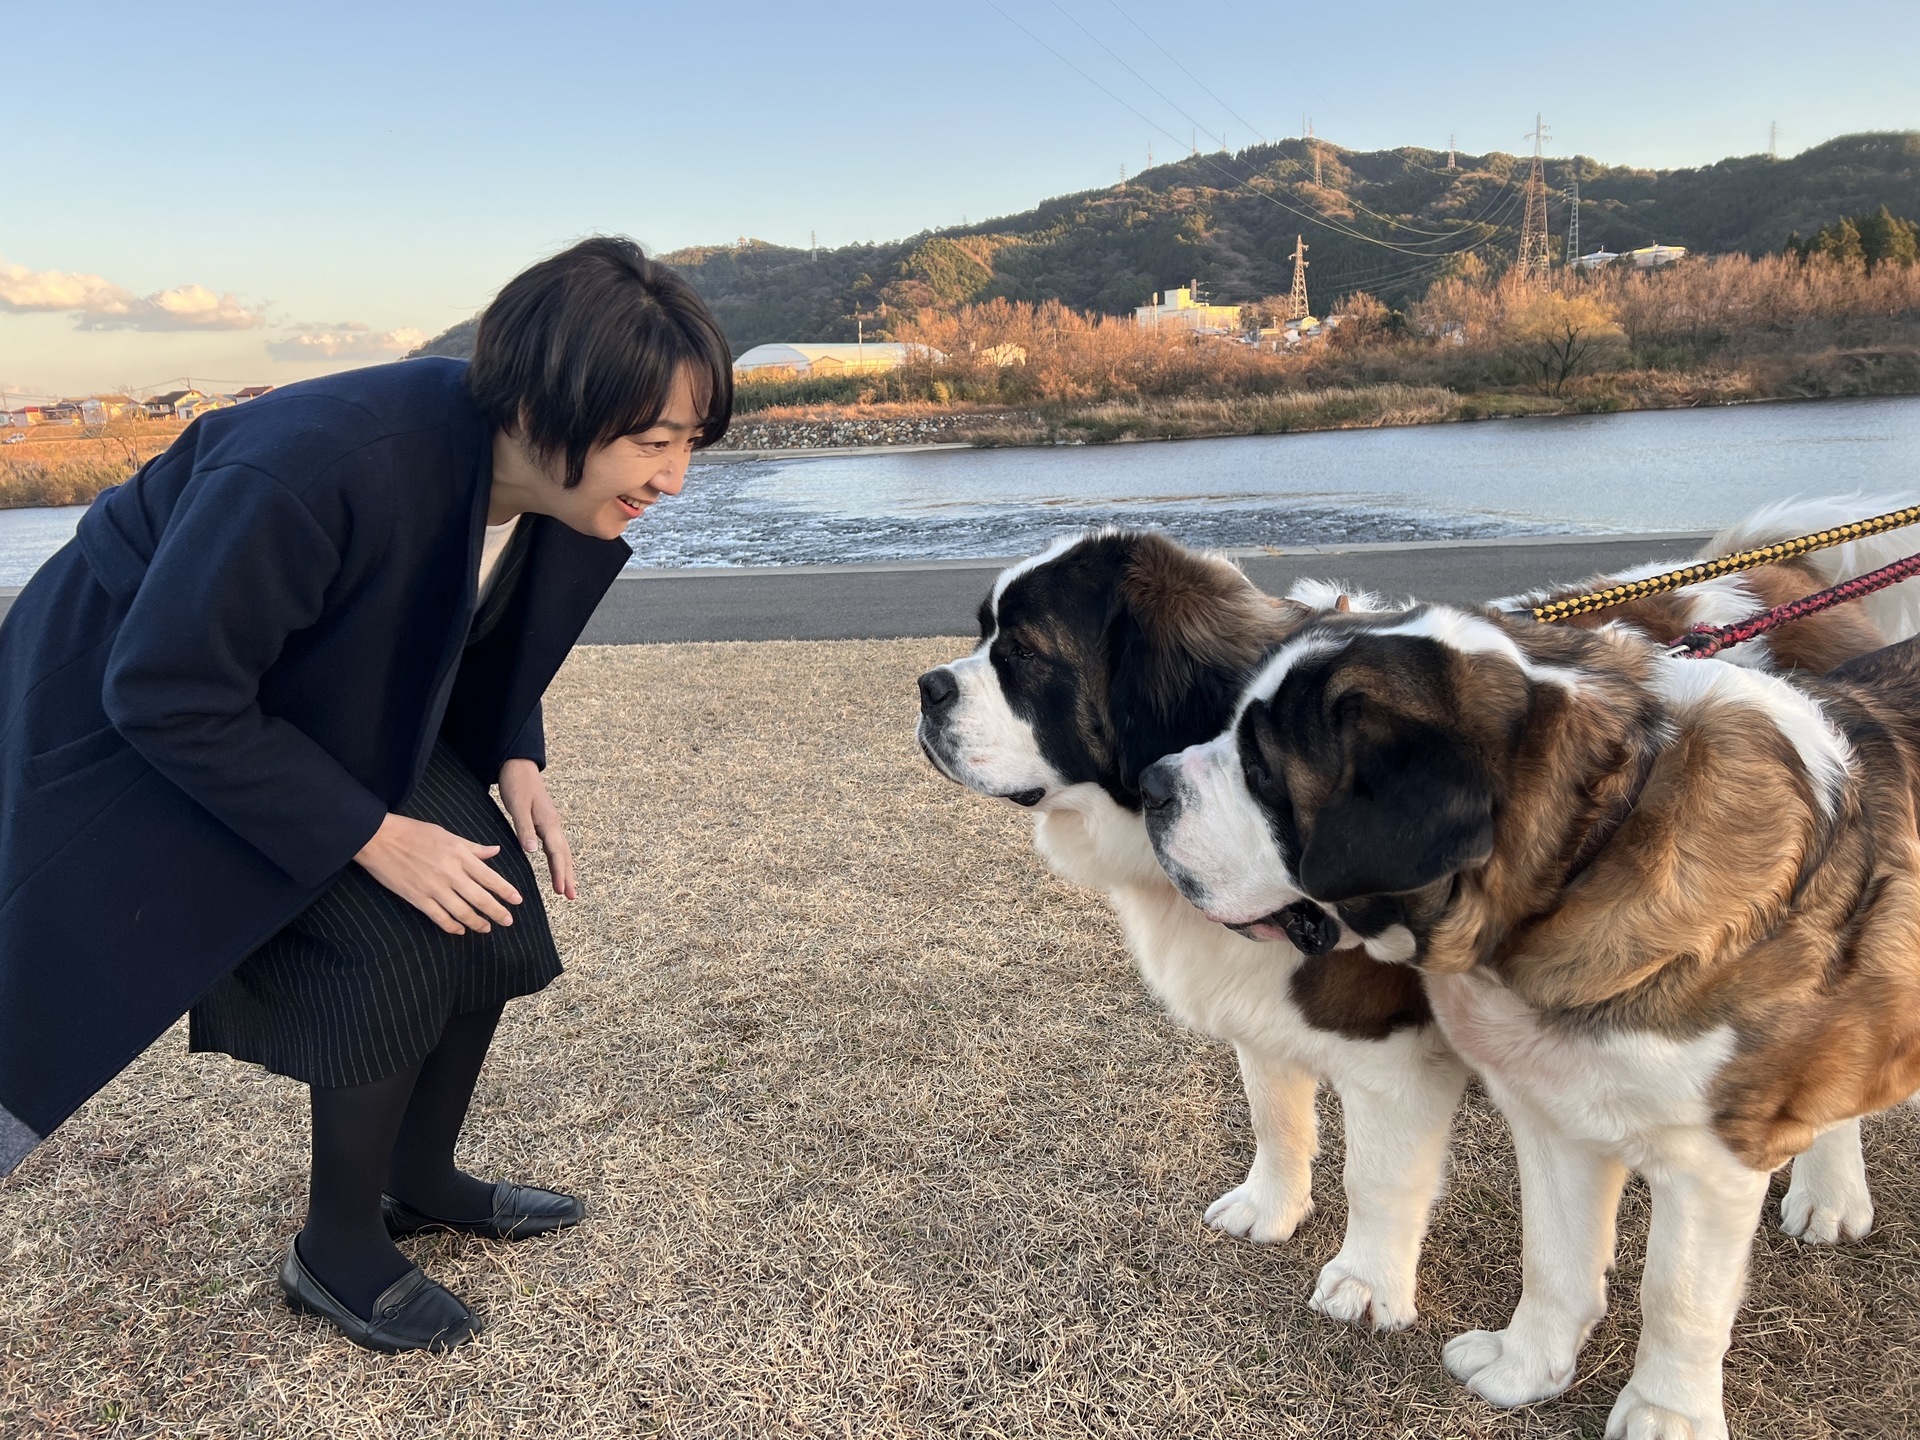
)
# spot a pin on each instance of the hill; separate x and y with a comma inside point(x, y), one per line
point(1386, 221)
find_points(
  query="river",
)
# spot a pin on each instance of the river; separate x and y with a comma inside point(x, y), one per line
point(1627, 473)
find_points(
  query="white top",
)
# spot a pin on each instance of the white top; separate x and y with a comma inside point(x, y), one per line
point(491, 549)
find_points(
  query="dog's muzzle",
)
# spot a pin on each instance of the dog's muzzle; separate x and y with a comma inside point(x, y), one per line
point(1308, 928)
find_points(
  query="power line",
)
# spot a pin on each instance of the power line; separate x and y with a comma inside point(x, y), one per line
point(1318, 216)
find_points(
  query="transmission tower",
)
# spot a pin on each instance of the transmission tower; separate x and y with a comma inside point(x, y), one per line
point(1297, 302)
point(1451, 165)
point(1531, 262)
point(1773, 139)
point(1573, 225)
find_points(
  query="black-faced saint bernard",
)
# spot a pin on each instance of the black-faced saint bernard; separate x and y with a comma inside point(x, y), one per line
point(1095, 659)
point(1668, 910)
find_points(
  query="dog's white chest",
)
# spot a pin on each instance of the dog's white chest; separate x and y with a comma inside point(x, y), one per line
point(1618, 1089)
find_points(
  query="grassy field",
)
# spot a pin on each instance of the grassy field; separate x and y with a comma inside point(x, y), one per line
point(879, 1135)
point(70, 464)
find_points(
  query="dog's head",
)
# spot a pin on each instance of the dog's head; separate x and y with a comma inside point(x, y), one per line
point(1363, 769)
point(1096, 658)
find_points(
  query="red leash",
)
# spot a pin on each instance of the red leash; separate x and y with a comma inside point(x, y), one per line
point(1705, 641)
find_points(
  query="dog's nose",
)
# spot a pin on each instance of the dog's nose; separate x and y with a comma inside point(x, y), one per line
point(937, 690)
point(1157, 785)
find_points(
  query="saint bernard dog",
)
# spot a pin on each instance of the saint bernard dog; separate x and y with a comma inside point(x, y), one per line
point(1111, 650)
point(1667, 909)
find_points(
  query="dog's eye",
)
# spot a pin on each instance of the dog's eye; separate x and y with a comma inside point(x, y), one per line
point(1018, 652)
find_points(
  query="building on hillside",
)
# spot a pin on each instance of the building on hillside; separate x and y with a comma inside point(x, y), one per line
point(250, 392)
point(767, 361)
point(99, 409)
point(1595, 259)
point(164, 407)
point(1181, 308)
point(1652, 257)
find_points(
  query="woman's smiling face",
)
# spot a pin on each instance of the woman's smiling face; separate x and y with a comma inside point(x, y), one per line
point(626, 475)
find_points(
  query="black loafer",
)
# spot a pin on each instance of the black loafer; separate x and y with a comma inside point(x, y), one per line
point(413, 1313)
point(519, 1211)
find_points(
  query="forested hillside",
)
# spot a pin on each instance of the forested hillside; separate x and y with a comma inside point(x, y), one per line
point(1389, 222)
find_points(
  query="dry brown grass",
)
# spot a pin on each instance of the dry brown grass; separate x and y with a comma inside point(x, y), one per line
point(70, 464)
point(880, 1136)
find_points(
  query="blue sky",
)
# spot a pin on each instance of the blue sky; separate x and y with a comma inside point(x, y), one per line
point(261, 192)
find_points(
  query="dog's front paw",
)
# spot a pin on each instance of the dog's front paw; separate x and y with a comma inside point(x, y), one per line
point(1635, 1417)
point(1353, 1292)
point(1508, 1368)
point(1261, 1212)
point(1825, 1207)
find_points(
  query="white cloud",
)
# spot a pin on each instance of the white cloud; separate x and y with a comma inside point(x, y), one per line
point(99, 304)
point(347, 340)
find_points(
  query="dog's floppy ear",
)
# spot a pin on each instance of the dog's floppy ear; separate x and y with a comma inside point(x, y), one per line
point(1161, 695)
point(1414, 807)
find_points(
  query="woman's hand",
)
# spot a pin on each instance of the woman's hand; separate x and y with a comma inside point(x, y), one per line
point(523, 791)
point(444, 877)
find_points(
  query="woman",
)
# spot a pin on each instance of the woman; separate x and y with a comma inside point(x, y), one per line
point(250, 717)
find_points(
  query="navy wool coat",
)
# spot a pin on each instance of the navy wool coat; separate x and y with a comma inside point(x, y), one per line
point(213, 695)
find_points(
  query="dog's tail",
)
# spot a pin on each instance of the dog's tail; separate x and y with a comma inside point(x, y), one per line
point(1894, 610)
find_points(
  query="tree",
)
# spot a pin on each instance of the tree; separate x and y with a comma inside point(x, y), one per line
point(1556, 337)
point(1886, 239)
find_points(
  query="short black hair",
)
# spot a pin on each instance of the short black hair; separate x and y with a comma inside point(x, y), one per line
point(585, 346)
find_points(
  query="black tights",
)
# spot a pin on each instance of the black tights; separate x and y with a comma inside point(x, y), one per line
point(395, 1135)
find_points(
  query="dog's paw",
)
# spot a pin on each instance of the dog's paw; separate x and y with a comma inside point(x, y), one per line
point(1635, 1417)
point(1261, 1213)
point(1508, 1369)
point(1346, 1292)
point(1825, 1208)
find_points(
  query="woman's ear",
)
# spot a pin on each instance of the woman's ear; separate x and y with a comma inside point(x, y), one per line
point(1416, 806)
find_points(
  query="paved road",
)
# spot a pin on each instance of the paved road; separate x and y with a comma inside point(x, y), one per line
point(859, 602)
point(856, 602)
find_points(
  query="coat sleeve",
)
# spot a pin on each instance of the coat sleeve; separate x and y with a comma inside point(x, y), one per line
point(242, 566)
point(531, 742)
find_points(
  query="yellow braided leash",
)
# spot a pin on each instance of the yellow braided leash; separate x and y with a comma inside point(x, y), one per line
point(1585, 604)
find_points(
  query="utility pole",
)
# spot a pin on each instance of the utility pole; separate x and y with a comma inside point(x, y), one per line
point(1531, 261)
point(1450, 161)
point(1297, 301)
point(1571, 263)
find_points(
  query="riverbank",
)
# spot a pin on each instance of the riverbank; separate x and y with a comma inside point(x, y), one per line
point(1848, 375)
point(58, 466)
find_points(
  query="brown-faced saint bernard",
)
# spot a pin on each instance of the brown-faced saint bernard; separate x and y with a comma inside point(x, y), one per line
point(1110, 650)
point(1668, 909)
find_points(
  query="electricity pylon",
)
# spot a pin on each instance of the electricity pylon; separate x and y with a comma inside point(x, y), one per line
point(1571, 263)
point(1531, 262)
point(1297, 302)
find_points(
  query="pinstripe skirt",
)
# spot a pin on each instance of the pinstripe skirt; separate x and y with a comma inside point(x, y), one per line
point(360, 985)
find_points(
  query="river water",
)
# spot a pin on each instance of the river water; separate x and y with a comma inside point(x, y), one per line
point(1631, 473)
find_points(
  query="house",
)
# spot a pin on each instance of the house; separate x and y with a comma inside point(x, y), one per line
point(61, 412)
point(164, 407)
point(1652, 257)
point(99, 409)
point(23, 417)
point(199, 405)
point(249, 392)
point(767, 361)
point(1183, 308)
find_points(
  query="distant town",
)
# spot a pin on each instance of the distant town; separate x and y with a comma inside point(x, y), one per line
point(182, 404)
